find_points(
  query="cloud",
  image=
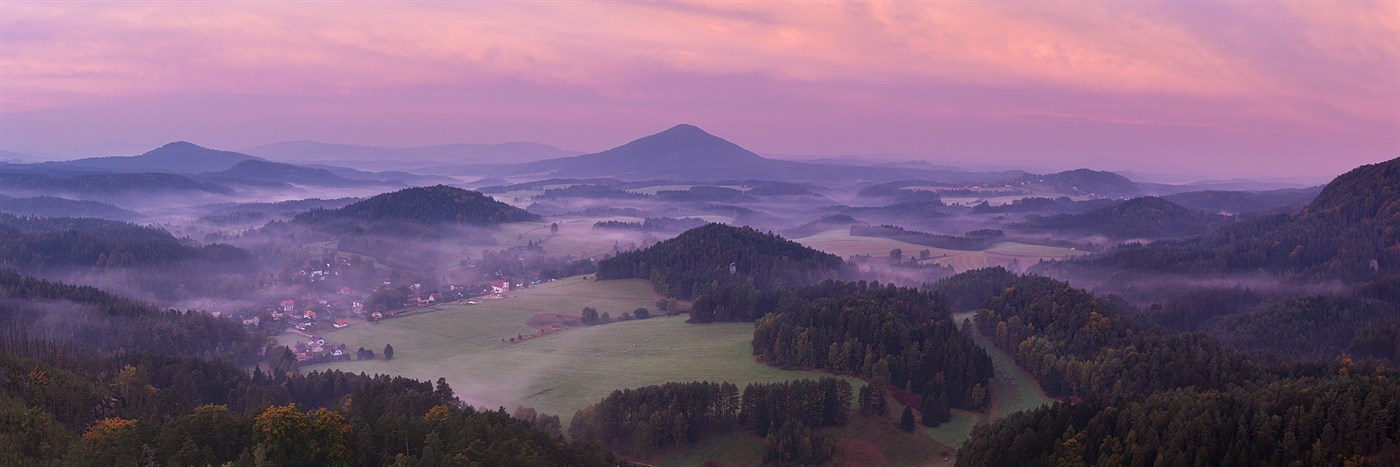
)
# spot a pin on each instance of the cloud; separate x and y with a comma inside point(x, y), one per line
point(1321, 71)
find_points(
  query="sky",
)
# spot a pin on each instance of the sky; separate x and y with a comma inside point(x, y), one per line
point(1219, 89)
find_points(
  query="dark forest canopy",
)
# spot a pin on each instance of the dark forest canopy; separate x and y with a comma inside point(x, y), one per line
point(699, 260)
point(88, 378)
point(894, 335)
point(92, 320)
point(438, 204)
point(37, 182)
point(1147, 393)
point(1145, 217)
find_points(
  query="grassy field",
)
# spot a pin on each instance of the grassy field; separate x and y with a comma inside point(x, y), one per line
point(561, 372)
point(1013, 389)
point(840, 242)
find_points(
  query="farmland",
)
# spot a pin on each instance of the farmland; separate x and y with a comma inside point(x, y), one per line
point(841, 243)
point(561, 372)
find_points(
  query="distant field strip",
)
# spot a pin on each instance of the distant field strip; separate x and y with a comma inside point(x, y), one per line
point(840, 242)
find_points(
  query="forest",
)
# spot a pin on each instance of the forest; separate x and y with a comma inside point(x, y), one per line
point(130, 385)
point(717, 255)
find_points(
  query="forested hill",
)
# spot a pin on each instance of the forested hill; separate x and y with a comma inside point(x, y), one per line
point(1350, 232)
point(699, 260)
point(44, 243)
point(91, 320)
point(1147, 217)
point(438, 204)
point(1144, 396)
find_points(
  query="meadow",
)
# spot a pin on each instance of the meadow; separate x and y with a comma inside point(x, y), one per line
point(564, 371)
point(1013, 255)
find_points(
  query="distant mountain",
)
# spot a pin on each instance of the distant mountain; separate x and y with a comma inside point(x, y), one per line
point(1147, 217)
point(686, 152)
point(265, 171)
point(49, 206)
point(375, 157)
point(439, 204)
point(697, 261)
point(178, 157)
point(1085, 182)
point(1238, 202)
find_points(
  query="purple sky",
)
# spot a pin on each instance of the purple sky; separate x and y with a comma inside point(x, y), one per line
point(1208, 89)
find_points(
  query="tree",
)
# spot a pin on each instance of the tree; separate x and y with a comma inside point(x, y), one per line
point(590, 315)
point(896, 256)
point(554, 228)
point(388, 352)
point(641, 313)
point(906, 420)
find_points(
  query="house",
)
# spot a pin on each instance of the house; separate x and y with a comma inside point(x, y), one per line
point(340, 324)
point(500, 286)
point(301, 357)
point(309, 314)
point(289, 305)
point(377, 315)
point(253, 322)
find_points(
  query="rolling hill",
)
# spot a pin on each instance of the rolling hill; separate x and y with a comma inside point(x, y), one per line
point(1148, 217)
point(432, 205)
point(177, 157)
point(261, 171)
point(686, 152)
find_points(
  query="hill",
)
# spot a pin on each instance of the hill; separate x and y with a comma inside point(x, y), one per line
point(1147, 217)
point(438, 204)
point(264, 171)
point(49, 206)
point(686, 152)
point(177, 157)
point(1350, 232)
point(1085, 182)
point(700, 259)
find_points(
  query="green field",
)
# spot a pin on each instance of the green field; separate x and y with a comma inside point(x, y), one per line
point(1013, 389)
point(561, 372)
point(840, 242)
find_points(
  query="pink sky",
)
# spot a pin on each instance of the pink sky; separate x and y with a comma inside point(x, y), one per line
point(1224, 88)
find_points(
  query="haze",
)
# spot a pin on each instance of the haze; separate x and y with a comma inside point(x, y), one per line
point(1217, 89)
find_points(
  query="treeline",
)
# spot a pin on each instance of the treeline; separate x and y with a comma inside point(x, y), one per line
point(672, 414)
point(1145, 217)
point(973, 241)
point(1079, 345)
point(136, 410)
point(1147, 396)
point(654, 224)
point(1316, 327)
point(93, 320)
point(700, 260)
point(43, 243)
point(119, 383)
point(893, 335)
point(1335, 421)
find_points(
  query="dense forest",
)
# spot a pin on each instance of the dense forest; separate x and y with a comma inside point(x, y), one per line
point(125, 384)
point(700, 260)
point(439, 204)
point(671, 414)
point(1147, 217)
point(155, 261)
point(1147, 396)
point(894, 335)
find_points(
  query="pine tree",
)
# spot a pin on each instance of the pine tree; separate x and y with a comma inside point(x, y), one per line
point(906, 421)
